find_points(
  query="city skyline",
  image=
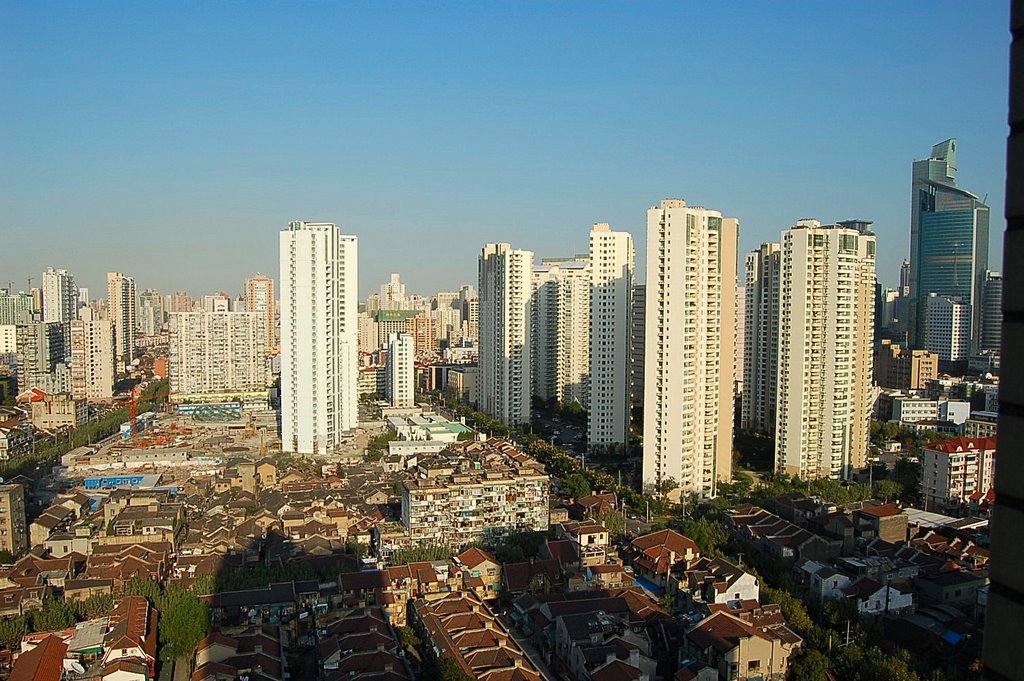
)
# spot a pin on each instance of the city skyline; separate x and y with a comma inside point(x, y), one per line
point(151, 156)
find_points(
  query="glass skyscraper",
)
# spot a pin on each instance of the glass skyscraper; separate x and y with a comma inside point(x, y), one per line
point(948, 241)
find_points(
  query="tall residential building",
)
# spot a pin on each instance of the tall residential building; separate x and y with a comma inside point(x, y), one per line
point(638, 315)
point(826, 330)
point(83, 296)
point(948, 328)
point(392, 295)
point(992, 312)
point(121, 304)
point(16, 308)
point(259, 298)
point(904, 369)
point(179, 302)
point(13, 526)
point(561, 330)
point(60, 296)
point(739, 340)
point(216, 352)
point(948, 241)
point(41, 356)
point(612, 268)
point(319, 337)
point(505, 287)
point(761, 328)
point(151, 312)
point(92, 357)
point(400, 371)
point(688, 402)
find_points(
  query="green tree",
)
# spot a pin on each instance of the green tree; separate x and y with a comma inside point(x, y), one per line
point(442, 669)
point(407, 637)
point(575, 486)
point(792, 608)
point(808, 664)
point(888, 489)
point(184, 621)
point(12, 629)
point(711, 535)
point(615, 523)
point(55, 614)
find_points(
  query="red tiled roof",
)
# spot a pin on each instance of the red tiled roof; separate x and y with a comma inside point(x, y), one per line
point(962, 444)
point(45, 662)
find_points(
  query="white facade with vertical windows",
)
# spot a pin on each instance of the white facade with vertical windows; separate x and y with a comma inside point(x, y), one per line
point(612, 267)
point(217, 352)
point(319, 337)
point(505, 336)
point(761, 350)
point(121, 304)
point(688, 367)
point(826, 331)
point(400, 371)
point(561, 330)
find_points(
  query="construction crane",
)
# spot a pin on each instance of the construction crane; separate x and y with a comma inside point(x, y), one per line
point(133, 407)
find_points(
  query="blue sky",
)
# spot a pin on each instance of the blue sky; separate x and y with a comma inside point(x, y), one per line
point(172, 141)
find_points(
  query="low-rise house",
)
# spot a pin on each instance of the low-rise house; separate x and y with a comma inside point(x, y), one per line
point(958, 588)
point(886, 521)
point(481, 573)
point(875, 598)
point(44, 662)
point(132, 635)
point(654, 556)
point(768, 532)
point(739, 650)
point(460, 627)
point(715, 580)
point(254, 650)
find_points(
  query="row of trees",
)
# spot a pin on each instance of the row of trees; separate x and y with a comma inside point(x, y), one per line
point(184, 619)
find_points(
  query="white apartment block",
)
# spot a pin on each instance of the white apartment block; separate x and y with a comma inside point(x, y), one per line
point(826, 332)
point(319, 337)
point(121, 303)
point(761, 332)
point(612, 272)
point(259, 299)
point(561, 330)
point(8, 339)
point(688, 367)
point(216, 353)
point(505, 320)
point(740, 340)
point(151, 312)
point(41, 354)
point(494, 491)
point(914, 409)
point(392, 295)
point(953, 470)
point(948, 328)
point(92, 357)
point(400, 371)
point(60, 296)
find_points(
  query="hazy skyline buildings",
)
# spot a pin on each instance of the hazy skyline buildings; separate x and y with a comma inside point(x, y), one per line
point(319, 336)
point(60, 296)
point(121, 308)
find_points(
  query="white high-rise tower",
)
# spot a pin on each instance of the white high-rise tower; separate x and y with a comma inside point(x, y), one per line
point(826, 332)
point(319, 396)
point(121, 304)
point(761, 353)
point(688, 368)
point(60, 296)
point(401, 370)
point(505, 337)
point(611, 288)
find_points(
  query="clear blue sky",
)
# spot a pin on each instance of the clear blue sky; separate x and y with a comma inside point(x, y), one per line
point(172, 141)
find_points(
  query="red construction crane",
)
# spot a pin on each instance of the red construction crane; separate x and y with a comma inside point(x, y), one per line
point(133, 408)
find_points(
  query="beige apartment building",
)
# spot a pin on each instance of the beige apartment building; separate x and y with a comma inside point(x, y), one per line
point(688, 365)
point(826, 330)
point(217, 352)
point(475, 492)
point(92, 357)
point(13, 528)
point(904, 369)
